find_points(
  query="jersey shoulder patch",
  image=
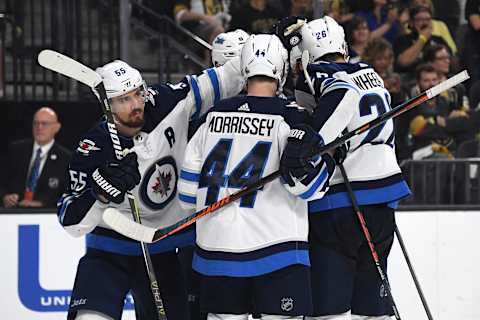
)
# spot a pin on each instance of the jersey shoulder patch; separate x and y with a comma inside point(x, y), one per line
point(92, 148)
point(161, 100)
point(167, 95)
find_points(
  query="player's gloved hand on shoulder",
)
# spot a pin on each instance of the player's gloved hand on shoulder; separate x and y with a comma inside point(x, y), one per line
point(114, 179)
point(288, 30)
point(300, 153)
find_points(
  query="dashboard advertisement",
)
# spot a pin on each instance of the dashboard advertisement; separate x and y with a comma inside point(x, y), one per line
point(39, 261)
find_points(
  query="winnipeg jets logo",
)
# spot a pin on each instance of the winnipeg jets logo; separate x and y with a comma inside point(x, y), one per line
point(85, 146)
point(219, 40)
point(159, 184)
point(162, 185)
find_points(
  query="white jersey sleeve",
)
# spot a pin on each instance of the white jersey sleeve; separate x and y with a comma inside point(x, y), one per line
point(213, 85)
point(190, 172)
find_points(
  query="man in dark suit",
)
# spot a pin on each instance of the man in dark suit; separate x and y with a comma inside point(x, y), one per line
point(36, 169)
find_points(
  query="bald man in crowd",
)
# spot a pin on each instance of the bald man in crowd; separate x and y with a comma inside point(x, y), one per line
point(36, 169)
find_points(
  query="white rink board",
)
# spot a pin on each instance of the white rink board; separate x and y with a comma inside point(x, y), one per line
point(441, 245)
point(443, 248)
point(37, 287)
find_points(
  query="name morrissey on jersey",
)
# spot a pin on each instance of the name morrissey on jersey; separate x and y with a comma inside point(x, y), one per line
point(241, 124)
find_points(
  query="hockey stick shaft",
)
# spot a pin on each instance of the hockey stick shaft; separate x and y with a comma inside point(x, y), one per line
point(368, 237)
point(407, 105)
point(413, 274)
point(73, 69)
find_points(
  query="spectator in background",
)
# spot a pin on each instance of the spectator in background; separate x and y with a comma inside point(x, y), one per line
point(205, 20)
point(35, 174)
point(358, 35)
point(439, 28)
point(448, 12)
point(383, 20)
point(439, 57)
point(255, 17)
point(472, 48)
point(409, 48)
point(436, 128)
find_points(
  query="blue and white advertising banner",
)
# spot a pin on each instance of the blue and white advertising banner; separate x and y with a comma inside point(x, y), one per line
point(39, 261)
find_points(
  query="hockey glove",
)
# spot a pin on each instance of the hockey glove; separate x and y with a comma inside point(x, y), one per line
point(301, 152)
point(288, 30)
point(340, 153)
point(113, 180)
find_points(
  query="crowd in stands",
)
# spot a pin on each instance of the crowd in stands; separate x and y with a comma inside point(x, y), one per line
point(412, 44)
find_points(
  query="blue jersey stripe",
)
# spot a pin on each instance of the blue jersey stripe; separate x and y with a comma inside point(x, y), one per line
point(132, 248)
point(189, 176)
point(320, 180)
point(387, 194)
point(65, 202)
point(250, 268)
point(215, 83)
point(197, 95)
point(187, 199)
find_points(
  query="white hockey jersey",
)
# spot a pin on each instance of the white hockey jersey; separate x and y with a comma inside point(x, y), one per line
point(160, 145)
point(348, 96)
point(240, 141)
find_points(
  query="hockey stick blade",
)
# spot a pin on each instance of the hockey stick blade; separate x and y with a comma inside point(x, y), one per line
point(294, 27)
point(130, 227)
point(127, 227)
point(62, 64)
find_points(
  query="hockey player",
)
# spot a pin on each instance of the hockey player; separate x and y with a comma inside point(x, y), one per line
point(152, 122)
point(227, 45)
point(253, 254)
point(345, 283)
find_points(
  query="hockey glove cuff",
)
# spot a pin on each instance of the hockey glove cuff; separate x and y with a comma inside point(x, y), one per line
point(114, 179)
point(300, 154)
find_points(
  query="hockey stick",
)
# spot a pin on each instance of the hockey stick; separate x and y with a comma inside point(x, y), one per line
point(368, 237)
point(128, 228)
point(71, 68)
point(412, 272)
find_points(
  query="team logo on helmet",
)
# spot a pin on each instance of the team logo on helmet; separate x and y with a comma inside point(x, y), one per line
point(286, 304)
point(294, 41)
point(219, 40)
point(159, 185)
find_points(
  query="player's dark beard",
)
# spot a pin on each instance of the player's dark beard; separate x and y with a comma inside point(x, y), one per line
point(133, 121)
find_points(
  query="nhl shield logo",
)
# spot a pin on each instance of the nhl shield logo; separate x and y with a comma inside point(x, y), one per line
point(159, 184)
point(286, 304)
point(53, 183)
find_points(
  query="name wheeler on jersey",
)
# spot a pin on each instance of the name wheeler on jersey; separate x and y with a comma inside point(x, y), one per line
point(352, 95)
point(159, 146)
point(238, 142)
